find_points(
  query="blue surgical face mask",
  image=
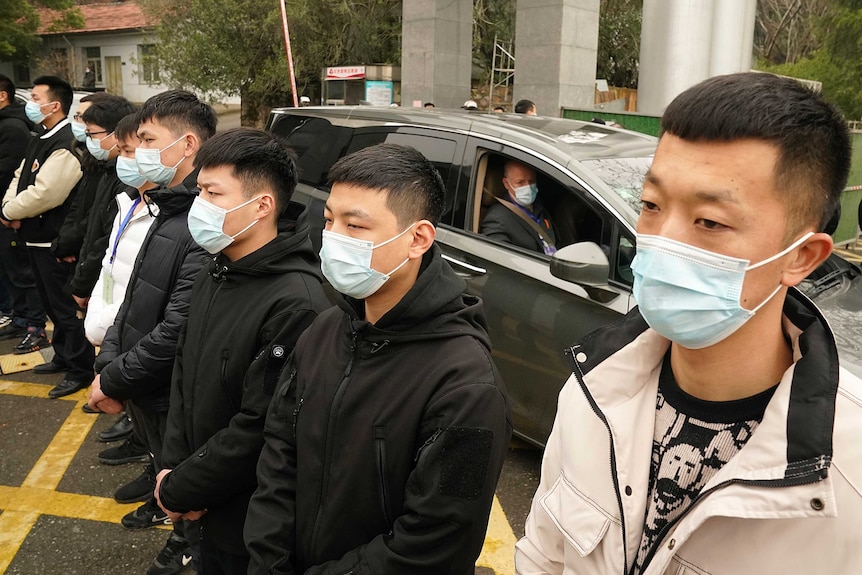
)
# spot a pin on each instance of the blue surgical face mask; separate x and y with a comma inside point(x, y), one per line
point(151, 167)
point(34, 111)
point(94, 146)
point(690, 295)
point(206, 224)
point(127, 171)
point(79, 131)
point(526, 195)
point(346, 264)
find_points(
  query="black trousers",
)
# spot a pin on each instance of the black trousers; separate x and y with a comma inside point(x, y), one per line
point(215, 560)
point(71, 347)
point(27, 307)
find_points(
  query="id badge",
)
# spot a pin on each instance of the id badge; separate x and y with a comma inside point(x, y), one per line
point(108, 288)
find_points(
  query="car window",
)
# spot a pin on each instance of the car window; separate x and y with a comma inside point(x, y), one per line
point(316, 142)
point(625, 176)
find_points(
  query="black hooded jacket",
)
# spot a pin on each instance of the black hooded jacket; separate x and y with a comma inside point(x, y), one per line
point(138, 351)
point(255, 307)
point(384, 442)
point(14, 137)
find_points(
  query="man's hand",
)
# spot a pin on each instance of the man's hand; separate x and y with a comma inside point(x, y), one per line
point(69, 260)
point(191, 515)
point(100, 401)
point(81, 301)
point(14, 224)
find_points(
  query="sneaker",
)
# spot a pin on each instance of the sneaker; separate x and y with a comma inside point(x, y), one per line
point(174, 557)
point(5, 319)
point(129, 451)
point(138, 489)
point(33, 341)
point(12, 331)
point(147, 515)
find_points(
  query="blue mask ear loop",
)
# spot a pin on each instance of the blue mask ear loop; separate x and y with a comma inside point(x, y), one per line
point(392, 239)
point(782, 253)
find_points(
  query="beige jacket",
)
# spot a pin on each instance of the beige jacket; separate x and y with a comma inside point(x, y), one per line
point(789, 502)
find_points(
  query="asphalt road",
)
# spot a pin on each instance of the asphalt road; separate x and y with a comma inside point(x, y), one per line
point(57, 515)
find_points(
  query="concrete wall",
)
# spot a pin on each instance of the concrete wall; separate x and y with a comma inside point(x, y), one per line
point(556, 42)
point(436, 52)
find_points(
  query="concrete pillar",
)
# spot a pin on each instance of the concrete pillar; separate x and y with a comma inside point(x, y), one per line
point(436, 52)
point(686, 41)
point(556, 42)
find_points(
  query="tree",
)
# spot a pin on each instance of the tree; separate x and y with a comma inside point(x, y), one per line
point(786, 30)
point(19, 21)
point(236, 47)
point(619, 42)
point(491, 19)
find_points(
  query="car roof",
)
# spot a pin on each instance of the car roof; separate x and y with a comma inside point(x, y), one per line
point(571, 138)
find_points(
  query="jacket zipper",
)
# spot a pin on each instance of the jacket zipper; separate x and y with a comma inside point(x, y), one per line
point(225, 356)
point(380, 445)
point(576, 369)
point(808, 479)
point(324, 483)
point(188, 406)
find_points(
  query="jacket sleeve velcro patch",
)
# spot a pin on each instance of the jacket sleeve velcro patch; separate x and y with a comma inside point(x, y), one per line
point(275, 361)
point(464, 460)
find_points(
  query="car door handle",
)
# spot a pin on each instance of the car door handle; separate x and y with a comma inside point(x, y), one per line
point(464, 265)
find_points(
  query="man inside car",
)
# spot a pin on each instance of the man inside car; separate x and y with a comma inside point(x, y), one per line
point(520, 219)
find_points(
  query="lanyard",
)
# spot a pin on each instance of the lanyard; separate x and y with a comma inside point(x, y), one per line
point(123, 225)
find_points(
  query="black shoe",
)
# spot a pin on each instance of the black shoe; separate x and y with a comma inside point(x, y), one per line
point(12, 331)
point(121, 429)
point(129, 451)
point(33, 341)
point(67, 387)
point(174, 557)
point(87, 409)
point(147, 515)
point(139, 489)
point(49, 368)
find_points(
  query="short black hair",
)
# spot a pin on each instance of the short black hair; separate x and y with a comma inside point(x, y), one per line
point(415, 190)
point(524, 106)
point(428, 105)
point(107, 111)
point(501, 108)
point(8, 86)
point(127, 127)
point(180, 110)
point(811, 135)
point(258, 158)
point(59, 89)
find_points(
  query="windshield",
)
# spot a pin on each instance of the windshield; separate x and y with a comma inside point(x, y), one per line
point(625, 176)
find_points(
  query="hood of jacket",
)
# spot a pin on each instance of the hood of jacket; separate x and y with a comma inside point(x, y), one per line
point(173, 201)
point(16, 112)
point(435, 307)
point(290, 251)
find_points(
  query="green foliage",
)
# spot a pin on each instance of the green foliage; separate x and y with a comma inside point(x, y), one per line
point(19, 21)
point(491, 18)
point(236, 47)
point(619, 42)
point(837, 63)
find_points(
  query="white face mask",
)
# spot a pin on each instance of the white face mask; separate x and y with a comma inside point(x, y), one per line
point(151, 167)
point(94, 146)
point(346, 264)
point(206, 224)
point(526, 195)
point(690, 295)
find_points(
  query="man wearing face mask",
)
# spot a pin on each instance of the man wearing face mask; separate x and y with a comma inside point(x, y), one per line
point(712, 429)
point(137, 354)
point(256, 295)
point(389, 423)
point(36, 204)
point(520, 219)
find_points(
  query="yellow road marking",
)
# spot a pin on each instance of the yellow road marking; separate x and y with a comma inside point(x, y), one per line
point(71, 505)
point(55, 460)
point(14, 528)
point(498, 553)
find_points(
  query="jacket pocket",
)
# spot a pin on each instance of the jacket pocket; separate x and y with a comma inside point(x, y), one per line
point(582, 522)
point(380, 459)
point(225, 357)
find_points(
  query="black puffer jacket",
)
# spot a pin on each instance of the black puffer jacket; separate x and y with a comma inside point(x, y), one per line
point(71, 235)
point(383, 442)
point(256, 306)
point(14, 136)
point(137, 354)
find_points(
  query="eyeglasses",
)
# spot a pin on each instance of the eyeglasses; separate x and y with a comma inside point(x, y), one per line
point(77, 118)
point(91, 134)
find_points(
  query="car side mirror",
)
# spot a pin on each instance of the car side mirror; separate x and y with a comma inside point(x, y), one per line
point(585, 264)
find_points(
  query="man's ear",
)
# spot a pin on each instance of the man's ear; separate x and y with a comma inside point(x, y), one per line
point(807, 257)
point(192, 144)
point(424, 233)
point(266, 207)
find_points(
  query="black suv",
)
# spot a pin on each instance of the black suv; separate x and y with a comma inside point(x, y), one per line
point(589, 178)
